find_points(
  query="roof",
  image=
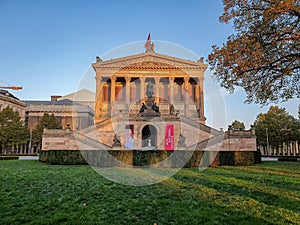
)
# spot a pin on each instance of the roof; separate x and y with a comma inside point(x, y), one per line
point(80, 96)
point(6, 93)
point(150, 57)
point(61, 102)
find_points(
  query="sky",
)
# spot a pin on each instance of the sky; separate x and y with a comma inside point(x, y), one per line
point(48, 46)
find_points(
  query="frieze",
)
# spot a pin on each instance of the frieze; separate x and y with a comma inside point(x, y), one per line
point(150, 60)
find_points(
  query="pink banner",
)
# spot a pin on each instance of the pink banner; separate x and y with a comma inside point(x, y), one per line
point(169, 140)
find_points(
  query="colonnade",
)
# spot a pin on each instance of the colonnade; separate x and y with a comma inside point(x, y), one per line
point(190, 88)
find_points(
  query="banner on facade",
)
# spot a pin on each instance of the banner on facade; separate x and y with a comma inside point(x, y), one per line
point(129, 140)
point(169, 140)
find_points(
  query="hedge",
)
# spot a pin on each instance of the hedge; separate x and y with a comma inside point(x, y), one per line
point(9, 157)
point(157, 158)
point(288, 159)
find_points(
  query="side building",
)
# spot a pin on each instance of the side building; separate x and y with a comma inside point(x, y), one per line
point(9, 100)
point(68, 113)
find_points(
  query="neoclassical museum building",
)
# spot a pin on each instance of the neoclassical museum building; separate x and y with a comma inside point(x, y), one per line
point(123, 98)
point(149, 101)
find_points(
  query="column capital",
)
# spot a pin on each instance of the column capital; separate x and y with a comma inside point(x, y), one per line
point(156, 79)
point(127, 79)
point(142, 79)
point(172, 79)
point(186, 79)
point(113, 79)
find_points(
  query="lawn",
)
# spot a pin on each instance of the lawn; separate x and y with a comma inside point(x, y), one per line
point(36, 193)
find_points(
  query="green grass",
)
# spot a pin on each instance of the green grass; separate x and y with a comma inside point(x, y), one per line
point(35, 193)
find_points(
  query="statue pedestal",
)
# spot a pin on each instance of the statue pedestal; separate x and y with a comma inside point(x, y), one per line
point(149, 102)
point(181, 143)
point(149, 111)
point(149, 147)
point(116, 147)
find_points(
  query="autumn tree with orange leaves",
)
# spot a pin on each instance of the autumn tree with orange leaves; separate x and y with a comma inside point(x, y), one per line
point(263, 56)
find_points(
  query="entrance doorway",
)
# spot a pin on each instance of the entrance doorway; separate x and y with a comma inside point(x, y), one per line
point(149, 133)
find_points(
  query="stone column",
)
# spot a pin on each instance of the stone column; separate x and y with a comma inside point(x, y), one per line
point(112, 92)
point(190, 90)
point(197, 90)
point(128, 79)
point(201, 102)
point(142, 88)
point(186, 105)
point(96, 96)
point(171, 79)
point(99, 96)
point(182, 91)
point(157, 79)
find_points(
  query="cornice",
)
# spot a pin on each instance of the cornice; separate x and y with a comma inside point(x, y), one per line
point(12, 100)
point(167, 62)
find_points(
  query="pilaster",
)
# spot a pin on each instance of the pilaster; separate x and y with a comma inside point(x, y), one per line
point(172, 79)
point(157, 79)
point(201, 102)
point(99, 97)
point(142, 88)
point(198, 101)
point(186, 83)
point(128, 79)
point(112, 91)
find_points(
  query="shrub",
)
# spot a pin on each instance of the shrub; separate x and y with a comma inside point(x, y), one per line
point(175, 159)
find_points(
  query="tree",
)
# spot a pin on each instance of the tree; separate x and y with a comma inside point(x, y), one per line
point(237, 125)
point(279, 125)
point(12, 129)
point(47, 121)
point(263, 57)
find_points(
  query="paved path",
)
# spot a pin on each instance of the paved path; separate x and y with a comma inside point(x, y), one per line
point(28, 158)
point(269, 159)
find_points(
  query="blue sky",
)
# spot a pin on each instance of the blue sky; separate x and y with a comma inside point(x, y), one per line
point(47, 46)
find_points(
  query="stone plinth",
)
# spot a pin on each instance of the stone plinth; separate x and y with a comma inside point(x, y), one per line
point(150, 102)
point(150, 110)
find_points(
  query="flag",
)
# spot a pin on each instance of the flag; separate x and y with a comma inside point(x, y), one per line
point(148, 40)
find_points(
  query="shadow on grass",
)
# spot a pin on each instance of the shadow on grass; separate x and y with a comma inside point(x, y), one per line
point(36, 193)
point(242, 203)
point(236, 187)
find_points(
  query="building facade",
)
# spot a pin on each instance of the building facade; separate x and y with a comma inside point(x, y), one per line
point(9, 100)
point(151, 101)
point(122, 93)
point(121, 85)
point(68, 113)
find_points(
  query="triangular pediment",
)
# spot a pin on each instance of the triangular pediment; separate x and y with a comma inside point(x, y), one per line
point(150, 60)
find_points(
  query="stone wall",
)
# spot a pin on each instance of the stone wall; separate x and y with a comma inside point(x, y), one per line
point(74, 116)
point(8, 100)
point(57, 139)
point(101, 138)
